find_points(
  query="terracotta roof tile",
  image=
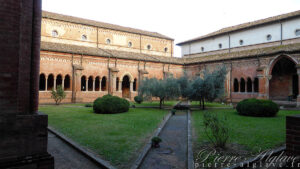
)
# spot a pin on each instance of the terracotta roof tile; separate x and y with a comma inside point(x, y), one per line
point(59, 47)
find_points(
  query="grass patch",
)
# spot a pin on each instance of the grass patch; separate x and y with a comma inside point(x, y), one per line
point(255, 133)
point(209, 104)
point(115, 137)
point(155, 103)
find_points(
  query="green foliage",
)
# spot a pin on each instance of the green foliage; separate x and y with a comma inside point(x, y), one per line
point(138, 99)
point(209, 87)
point(58, 95)
point(216, 129)
point(110, 104)
point(156, 140)
point(88, 105)
point(167, 88)
point(257, 108)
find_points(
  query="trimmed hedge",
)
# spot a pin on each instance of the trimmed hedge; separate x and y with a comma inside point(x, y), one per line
point(110, 104)
point(257, 108)
point(138, 99)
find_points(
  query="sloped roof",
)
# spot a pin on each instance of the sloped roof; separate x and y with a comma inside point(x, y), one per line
point(289, 48)
point(66, 18)
point(92, 51)
point(245, 26)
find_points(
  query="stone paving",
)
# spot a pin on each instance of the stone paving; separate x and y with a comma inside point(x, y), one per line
point(66, 157)
point(172, 153)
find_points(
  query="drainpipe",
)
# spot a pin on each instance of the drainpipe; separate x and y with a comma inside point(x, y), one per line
point(230, 87)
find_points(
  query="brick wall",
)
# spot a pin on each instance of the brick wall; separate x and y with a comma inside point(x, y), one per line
point(293, 135)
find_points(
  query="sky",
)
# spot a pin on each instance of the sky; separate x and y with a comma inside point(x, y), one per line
point(180, 20)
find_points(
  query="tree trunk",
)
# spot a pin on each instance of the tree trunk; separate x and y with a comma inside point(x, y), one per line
point(160, 102)
point(203, 107)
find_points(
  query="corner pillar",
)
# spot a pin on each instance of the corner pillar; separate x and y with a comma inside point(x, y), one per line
point(298, 73)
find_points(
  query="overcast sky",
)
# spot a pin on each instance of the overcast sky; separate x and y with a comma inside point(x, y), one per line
point(180, 20)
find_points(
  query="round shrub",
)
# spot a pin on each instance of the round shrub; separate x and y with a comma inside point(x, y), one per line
point(110, 104)
point(257, 108)
point(138, 99)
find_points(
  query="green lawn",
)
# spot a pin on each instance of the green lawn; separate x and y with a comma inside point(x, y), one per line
point(210, 104)
point(254, 133)
point(115, 137)
point(155, 103)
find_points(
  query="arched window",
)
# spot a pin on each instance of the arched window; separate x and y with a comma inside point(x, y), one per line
point(117, 84)
point(67, 83)
point(249, 84)
point(58, 80)
point(220, 45)
point(241, 42)
point(129, 44)
point(83, 83)
point(166, 49)
point(256, 85)
point(97, 83)
point(269, 37)
point(236, 85)
point(297, 32)
point(103, 84)
point(90, 83)
point(50, 82)
point(149, 47)
point(108, 41)
point(42, 82)
point(135, 84)
point(242, 85)
point(202, 49)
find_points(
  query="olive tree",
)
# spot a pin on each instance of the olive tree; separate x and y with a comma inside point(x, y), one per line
point(163, 89)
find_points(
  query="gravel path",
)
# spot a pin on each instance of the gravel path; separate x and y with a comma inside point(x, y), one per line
point(172, 153)
point(66, 157)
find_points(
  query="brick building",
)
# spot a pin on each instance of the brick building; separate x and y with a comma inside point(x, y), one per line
point(90, 59)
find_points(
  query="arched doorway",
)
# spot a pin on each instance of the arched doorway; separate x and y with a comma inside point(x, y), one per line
point(284, 81)
point(126, 87)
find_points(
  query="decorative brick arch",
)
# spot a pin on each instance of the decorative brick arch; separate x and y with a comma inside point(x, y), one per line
point(131, 79)
point(276, 59)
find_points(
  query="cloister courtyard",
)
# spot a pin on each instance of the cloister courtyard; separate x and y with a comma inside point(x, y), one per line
point(120, 138)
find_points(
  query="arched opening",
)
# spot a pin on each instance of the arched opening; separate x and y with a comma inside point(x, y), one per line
point(58, 80)
point(249, 85)
point(242, 85)
point(50, 82)
point(83, 83)
point(42, 86)
point(67, 83)
point(256, 85)
point(117, 84)
point(284, 82)
point(236, 85)
point(103, 84)
point(97, 83)
point(134, 84)
point(90, 83)
point(125, 87)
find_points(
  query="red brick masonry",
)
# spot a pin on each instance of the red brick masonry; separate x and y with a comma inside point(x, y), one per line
point(293, 135)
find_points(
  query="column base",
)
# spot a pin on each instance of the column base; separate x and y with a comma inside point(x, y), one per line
point(298, 101)
point(39, 161)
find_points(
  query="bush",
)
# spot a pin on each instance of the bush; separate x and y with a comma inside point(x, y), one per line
point(58, 95)
point(216, 129)
point(257, 108)
point(110, 104)
point(88, 105)
point(138, 99)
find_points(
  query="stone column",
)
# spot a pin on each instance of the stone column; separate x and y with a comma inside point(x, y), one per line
point(120, 86)
point(253, 86)
point(46, 84)
point(23, 129)
point(54, 83)
point(131, 86)
point(100, 83)
point(114, 82)
point(298, 97)
point(263, 83)
point(86, 84)
point(93, 84)
point(63, 83)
